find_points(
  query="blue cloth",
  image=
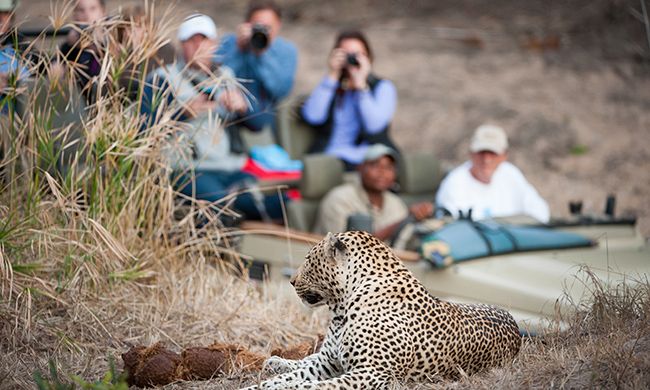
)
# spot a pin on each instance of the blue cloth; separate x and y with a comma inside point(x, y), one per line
point(275, 158)
point(153, 97)
point(356, 108)
point(464, 240)
point(214, 185)
point(268, 76)
point(10, 64)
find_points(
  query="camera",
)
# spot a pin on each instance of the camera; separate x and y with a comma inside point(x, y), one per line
point(352, 60)
point(259, 37)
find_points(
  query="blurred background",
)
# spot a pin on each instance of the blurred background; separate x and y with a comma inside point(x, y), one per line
point(568, 80)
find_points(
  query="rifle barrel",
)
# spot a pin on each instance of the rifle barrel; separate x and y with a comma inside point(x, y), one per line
point(48, 32)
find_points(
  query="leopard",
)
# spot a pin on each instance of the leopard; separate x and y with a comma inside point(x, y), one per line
point(385, 327)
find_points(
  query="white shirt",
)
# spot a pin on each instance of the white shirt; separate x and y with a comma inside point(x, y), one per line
point(507, 194)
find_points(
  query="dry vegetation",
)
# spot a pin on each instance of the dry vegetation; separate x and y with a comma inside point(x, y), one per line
point(102, 256)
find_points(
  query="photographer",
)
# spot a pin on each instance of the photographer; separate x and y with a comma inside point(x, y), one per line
point(84, 57)
point(350, 108)
point(265, 62)
point(200, 97)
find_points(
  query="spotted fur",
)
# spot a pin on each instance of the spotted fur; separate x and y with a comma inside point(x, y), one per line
point(385, 325)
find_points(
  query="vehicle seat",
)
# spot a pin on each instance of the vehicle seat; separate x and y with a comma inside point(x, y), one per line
point(419, 176)
point(295, 136)
point(320, 174)
point(251, 138)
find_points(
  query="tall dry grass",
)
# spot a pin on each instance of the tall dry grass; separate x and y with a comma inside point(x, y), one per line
point(97, 252)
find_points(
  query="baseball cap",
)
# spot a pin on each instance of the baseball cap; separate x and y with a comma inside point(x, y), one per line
point(489, 137)
point(7, 5)
point(376, 151)
point(197, 24)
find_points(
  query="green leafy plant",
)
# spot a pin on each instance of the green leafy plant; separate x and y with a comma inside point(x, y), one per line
point(579, 150)
point(112, 380)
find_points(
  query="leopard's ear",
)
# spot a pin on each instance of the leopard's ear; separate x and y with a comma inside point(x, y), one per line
point(335, 248)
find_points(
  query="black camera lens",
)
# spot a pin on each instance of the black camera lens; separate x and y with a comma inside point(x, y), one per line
point(259, 37)
point(351, 59)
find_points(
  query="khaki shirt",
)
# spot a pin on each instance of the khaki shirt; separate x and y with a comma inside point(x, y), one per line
point(351, 198)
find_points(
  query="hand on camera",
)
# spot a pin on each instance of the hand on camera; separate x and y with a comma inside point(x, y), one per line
point(244, 32)
point(199, 104)
point(233, 101)
point(421, 210)
point(335, 63)
point(359, 74)
point(72, 37)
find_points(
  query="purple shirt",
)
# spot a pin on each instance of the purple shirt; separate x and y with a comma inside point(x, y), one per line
point(372, 110)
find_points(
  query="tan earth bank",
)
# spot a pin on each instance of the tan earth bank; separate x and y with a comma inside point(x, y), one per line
point(568, 80)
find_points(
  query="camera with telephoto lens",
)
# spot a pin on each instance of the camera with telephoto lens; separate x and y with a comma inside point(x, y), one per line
point(259, 37)
point(352, 60)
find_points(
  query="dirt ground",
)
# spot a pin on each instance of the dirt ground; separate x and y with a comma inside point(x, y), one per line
point(569, 81)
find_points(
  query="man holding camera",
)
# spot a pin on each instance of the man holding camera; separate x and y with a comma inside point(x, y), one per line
point(199, 155)
point(265, 62)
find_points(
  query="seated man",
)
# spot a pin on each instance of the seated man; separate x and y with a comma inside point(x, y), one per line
point(199, 154)
point(488, 185)
point(370, 196)
point(264, 62)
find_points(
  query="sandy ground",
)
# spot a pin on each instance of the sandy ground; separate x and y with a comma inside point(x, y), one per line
point(568, 81)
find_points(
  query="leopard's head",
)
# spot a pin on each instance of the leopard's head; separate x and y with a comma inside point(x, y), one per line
point(320, 280)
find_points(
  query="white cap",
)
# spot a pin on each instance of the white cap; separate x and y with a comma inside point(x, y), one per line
point(197, 24)
point(489, 137)
point(376, 151)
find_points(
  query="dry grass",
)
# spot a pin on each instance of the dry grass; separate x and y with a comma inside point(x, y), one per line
point(101, 256)
point(97, 253)
point(607, 345)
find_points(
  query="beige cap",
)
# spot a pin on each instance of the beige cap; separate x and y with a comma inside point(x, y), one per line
point(7, 5)
point(489, 137)
point(376, 151)
point(197, 24)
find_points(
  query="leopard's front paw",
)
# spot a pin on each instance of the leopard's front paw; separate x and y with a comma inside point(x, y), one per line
point(277, 365)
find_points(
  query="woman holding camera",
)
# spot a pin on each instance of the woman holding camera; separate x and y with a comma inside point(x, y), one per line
point(85, 57)
point(351, 108)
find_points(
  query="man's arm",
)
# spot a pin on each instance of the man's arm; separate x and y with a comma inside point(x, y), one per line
point(276, 68)
point(535, 205)
point(333, 212)
point(417, 212)
point(447, 197)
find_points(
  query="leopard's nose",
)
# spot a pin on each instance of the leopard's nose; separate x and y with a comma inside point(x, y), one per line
point(293, 280)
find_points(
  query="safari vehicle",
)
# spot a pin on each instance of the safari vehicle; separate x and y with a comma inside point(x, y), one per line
point(536, 280)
